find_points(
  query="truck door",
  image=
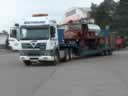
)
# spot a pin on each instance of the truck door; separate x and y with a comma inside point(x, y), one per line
point(53, 36)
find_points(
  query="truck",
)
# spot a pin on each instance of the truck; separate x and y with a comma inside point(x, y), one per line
point(13, 38)
point(43, 40)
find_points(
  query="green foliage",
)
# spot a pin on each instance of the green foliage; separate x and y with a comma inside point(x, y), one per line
point(103, 14)
point(113, 14)
point(120, 20)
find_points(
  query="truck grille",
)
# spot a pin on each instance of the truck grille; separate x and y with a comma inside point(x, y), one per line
point(41, 46)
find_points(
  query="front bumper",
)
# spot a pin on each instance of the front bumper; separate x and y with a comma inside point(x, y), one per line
point(37, 58)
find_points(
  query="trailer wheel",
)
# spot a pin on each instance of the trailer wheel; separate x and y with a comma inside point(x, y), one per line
point(110, 52)
point(27, 63)
point(105, 52)
point(70, 54)
point(67, 55)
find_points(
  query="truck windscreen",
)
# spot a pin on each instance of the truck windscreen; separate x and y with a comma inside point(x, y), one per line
point(34, 33)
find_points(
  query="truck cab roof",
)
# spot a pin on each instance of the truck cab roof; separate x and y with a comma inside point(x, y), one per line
point(38, 21)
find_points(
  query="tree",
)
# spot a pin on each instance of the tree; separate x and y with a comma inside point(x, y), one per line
point(103, 13)
point(93, 10)
point(120, 20)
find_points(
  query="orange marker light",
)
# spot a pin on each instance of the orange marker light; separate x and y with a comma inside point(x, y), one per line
point(39, 15)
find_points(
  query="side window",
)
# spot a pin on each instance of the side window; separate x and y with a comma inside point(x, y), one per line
point(13, 33)
point(52, 31)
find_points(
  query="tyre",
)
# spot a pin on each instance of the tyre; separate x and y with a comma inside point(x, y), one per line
point(27, 63)
point(110, 52)
point(104, 53)
point(70, 54)
point(56, 58)
point(67, 56)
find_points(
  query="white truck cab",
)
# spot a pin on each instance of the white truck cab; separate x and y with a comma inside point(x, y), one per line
point(39, 40)
point(13, 38)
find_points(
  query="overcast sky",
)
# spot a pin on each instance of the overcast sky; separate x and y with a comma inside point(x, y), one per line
point(15, 10)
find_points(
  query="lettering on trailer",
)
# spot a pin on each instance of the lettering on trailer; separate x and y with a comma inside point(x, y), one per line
point(34, 22)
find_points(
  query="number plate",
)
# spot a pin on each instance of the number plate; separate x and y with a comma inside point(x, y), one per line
point(34, 60)
point(45, 58)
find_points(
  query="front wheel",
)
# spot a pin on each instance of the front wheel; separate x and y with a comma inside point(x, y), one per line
point(56, 58)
